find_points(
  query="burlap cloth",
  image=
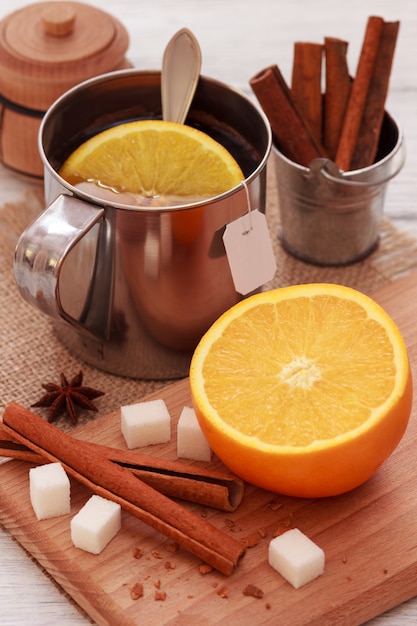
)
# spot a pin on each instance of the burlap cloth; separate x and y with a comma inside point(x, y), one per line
point(31, 354)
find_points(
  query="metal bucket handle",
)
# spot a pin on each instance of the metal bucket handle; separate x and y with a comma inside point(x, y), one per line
point(329, 170)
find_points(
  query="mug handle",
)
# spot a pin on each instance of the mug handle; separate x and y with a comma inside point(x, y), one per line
point(43, 247)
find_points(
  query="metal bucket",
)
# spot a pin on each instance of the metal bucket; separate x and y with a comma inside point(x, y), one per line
point(329, 217)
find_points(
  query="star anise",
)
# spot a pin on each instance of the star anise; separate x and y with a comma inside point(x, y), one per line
point(67, 397)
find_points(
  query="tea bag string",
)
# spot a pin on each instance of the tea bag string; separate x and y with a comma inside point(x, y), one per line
point(246, 231)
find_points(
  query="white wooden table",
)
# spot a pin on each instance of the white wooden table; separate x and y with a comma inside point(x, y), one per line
point(238, 38)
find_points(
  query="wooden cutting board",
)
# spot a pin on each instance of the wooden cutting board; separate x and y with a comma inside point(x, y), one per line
point(369, 537)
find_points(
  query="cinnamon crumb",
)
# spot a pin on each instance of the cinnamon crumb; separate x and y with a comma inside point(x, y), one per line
point(157, 584)
point(204, 513)
point(262, 532)
point(136, 591)
point(344, 560)
point(137, 553)
point(160, 596)
point(156, 554)
point(214, 585)
point(286, 524)
point(252, 590)
point(229, 523)
point(204, 568)
point(280, 531)
point(223, 592)
point(274, 505)
point(170, 565)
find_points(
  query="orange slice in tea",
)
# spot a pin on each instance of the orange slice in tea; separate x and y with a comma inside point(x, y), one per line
point(303, 390)
point(155, 159)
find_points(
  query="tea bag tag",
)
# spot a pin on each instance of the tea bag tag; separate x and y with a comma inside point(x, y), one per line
point(249, 251)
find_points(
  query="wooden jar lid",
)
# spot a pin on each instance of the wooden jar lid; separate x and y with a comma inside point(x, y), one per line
point(47, 47)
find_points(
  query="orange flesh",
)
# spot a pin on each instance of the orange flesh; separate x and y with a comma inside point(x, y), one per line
point(307, 369)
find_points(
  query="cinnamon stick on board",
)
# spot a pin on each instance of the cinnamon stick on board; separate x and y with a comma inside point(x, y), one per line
point(290, 130)
point(370, 129)
point(337, 91)
point(359, 93)
point(306, 85)
point(118, 484)
point(206, 487)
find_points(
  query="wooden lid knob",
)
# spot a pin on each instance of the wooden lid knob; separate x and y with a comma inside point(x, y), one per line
point(58, 19)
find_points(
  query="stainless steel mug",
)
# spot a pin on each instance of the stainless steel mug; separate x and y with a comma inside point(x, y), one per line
point(131, 290)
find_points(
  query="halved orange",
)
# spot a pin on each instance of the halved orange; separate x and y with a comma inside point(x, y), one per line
point(165, 162)
point(303, 390)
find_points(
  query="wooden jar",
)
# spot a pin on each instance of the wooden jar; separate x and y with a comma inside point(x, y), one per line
point(45, 49)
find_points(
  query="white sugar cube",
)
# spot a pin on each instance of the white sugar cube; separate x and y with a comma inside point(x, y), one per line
point(296, 557)
point(95, 525)
point(191, 442)
point(49, 490)
point(145, 423)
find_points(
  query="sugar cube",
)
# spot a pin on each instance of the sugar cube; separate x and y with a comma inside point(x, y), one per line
point(49, 490)
point(95, 524)
point(145, 423)
point(191, 442)
point(298, 559)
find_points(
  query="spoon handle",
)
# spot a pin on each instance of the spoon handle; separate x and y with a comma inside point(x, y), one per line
point(181, 66)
